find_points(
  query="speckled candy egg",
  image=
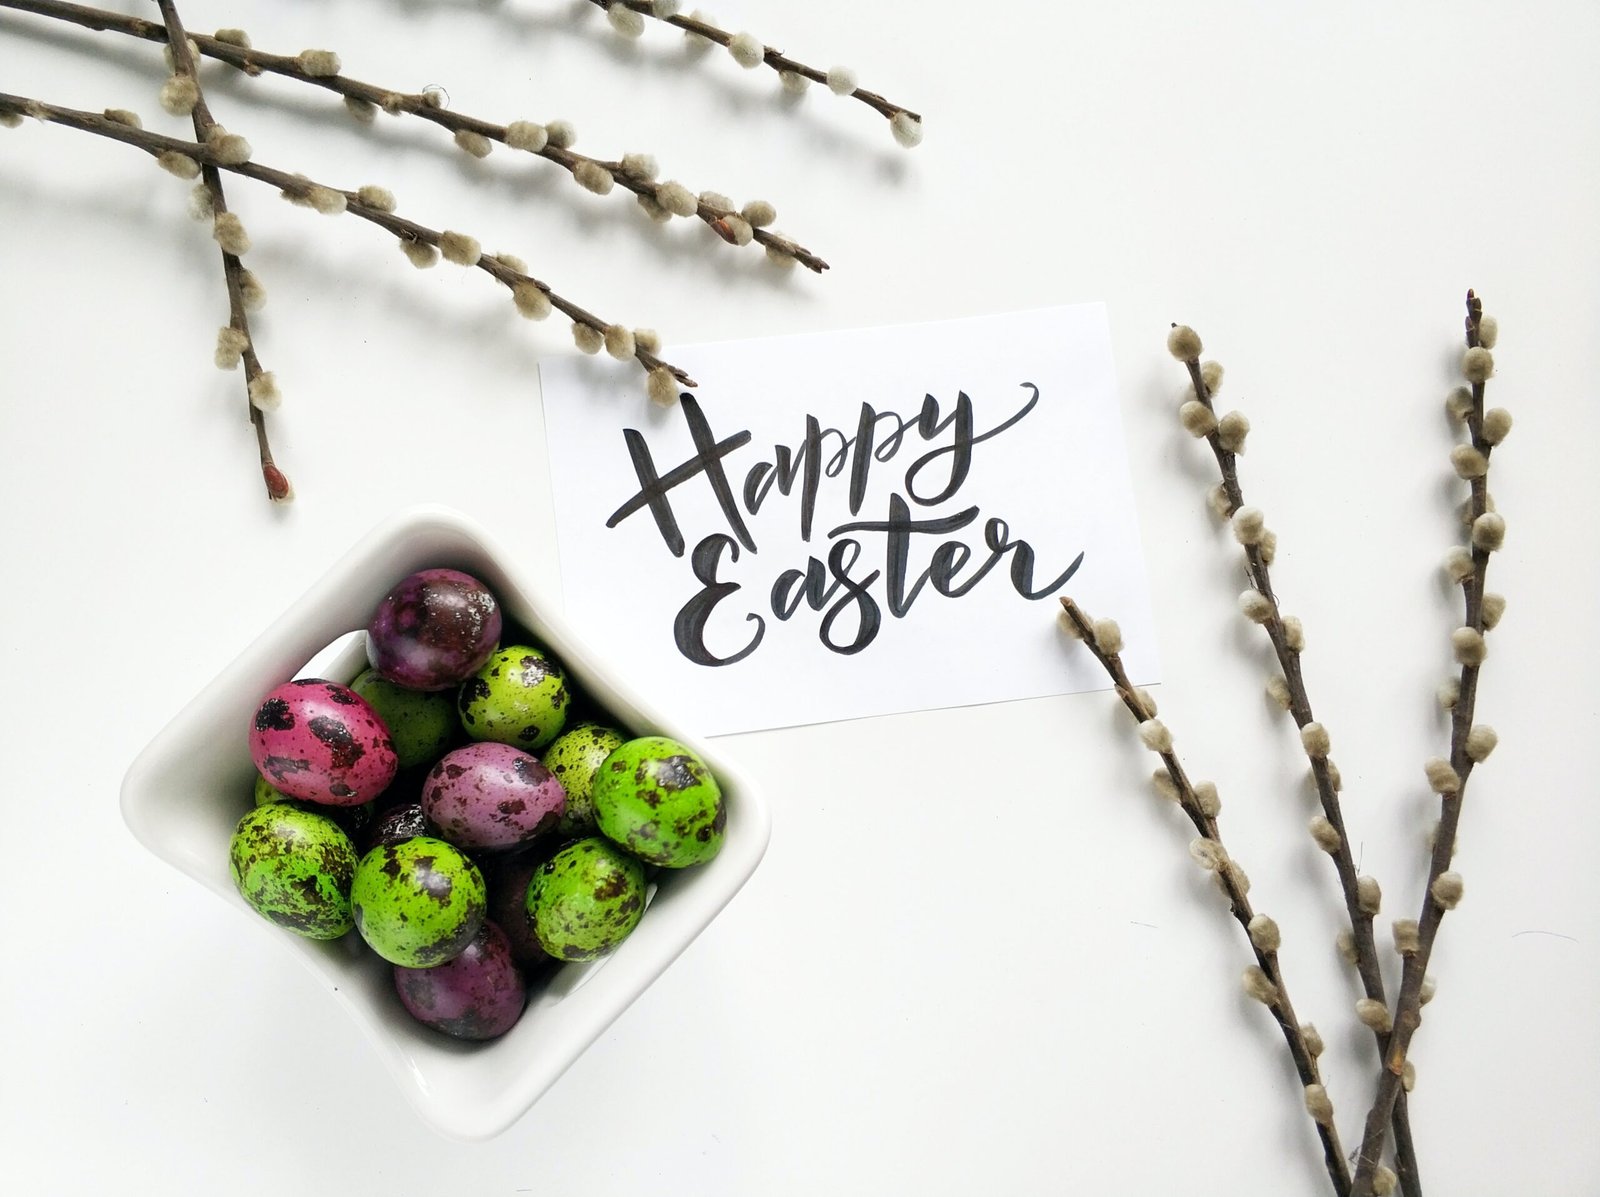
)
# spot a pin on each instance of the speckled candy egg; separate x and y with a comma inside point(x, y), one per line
point(295, 868)
point(575, 757)
point(492, 796)
point(434, 630)
point(508, 876)
point(420, 722)
point(398, 824)
point(519, 697)
point(267, 792)
point(417, 903)
point(659, 801)
point(478, 995)
point(319, 741)
point(585, 899)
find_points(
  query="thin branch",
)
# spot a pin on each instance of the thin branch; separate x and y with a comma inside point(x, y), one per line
point(1259, 549)
point(306, 190)
point(731, 224)
point(1104, 643)
point(697, 25)
point(277, 484)
point(1469, 744)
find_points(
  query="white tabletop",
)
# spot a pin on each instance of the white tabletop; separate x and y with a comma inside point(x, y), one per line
point(976, 957)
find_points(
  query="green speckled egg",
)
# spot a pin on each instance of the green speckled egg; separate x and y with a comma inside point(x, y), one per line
point(295, 868)
point(659, 801)
point(575, 757)
point(421, 723)
point(267, 792)
point(418, 903)
point(519, 698)
point(585, 899)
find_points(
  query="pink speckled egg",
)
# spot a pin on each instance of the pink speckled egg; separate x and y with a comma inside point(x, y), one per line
point(477, 995)
point(319, 741)
point(492, 795)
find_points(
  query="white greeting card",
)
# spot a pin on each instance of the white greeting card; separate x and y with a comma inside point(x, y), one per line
point(846, 524)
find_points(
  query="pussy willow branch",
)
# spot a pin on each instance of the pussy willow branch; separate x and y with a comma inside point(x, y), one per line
point(277, 484)
point(1305, 1060)
point(1408, 1004)
point(770, 55)
point(298, 185)
point(255, 62)
point(1258, 570)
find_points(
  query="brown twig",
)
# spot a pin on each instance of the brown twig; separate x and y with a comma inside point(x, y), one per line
point(303, 189)
point(1287, 646)
point(1468, 745)
point(1104, 642)
point(729, 223)
point(770, 55)
point(277, 484)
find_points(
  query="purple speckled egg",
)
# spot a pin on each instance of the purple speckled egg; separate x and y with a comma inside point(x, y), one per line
point(477, 995)
point(508, 879)
point(492, 795)
point(434, 630)
point(319, 741)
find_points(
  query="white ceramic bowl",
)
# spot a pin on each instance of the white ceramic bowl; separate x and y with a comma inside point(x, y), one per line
point(188, 788)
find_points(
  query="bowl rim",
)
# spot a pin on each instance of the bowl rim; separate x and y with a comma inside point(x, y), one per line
point(603, 999)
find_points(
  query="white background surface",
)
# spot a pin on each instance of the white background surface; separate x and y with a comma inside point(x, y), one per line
point(976, 956)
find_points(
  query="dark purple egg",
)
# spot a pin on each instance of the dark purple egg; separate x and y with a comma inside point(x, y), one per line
point(398, 824)
point(434, 630)
point(508, 906)
point(477, 995)
point(492, 795)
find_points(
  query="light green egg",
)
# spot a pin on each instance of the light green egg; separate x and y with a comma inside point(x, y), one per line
point(421, 723)
point(519, 697)
point(575, 757)
point(267, 792)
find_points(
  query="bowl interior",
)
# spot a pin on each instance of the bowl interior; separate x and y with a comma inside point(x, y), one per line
point(185, 792)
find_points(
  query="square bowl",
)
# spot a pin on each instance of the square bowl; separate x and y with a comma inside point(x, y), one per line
point(185, 792)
